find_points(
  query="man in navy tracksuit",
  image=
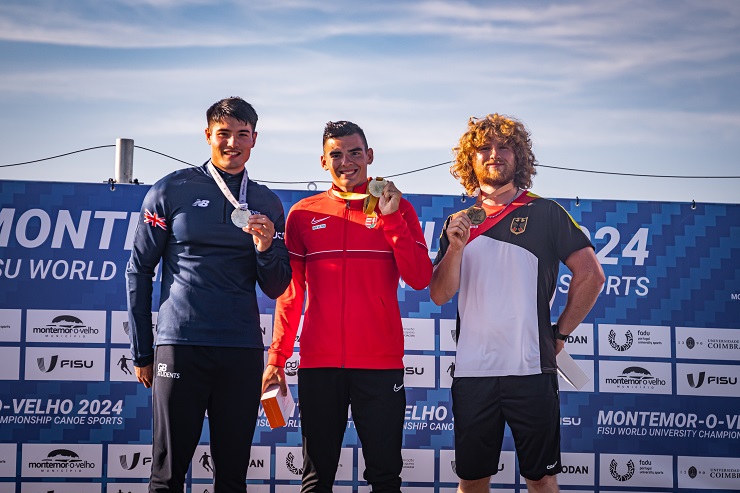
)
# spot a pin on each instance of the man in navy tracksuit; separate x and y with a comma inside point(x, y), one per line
point(216, 234)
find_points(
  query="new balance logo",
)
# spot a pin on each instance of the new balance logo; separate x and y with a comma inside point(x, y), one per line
point(201, 203)
point(317, 221)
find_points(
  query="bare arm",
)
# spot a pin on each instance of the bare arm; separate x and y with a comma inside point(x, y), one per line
point(585, 286)
point(446, 275)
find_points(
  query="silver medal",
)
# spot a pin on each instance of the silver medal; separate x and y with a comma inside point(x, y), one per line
point(240, 217)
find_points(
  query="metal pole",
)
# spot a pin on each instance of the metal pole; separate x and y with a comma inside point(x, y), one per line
point(124, 160)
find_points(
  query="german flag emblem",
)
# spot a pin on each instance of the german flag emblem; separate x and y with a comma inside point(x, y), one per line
point(518, 225)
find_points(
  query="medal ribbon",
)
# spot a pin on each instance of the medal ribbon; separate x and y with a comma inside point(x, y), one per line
point(242, 203)
point(523, 199)
point(368, 208)
point(349, 195)
point(479, 200)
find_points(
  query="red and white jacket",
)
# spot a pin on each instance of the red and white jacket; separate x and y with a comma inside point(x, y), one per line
point(347, 272)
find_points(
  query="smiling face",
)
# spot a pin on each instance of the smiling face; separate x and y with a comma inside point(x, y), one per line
point(231, 143)
point(347, 159)
point(494, 163)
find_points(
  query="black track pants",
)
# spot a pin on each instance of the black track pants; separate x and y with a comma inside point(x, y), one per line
point(378, 402)
point(188, 381)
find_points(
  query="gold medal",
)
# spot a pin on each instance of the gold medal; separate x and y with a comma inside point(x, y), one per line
point(375, 187)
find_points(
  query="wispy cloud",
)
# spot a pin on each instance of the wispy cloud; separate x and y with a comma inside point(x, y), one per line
point(652, 77)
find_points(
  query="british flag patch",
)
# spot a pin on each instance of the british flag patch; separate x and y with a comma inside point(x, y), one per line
point(154, 220)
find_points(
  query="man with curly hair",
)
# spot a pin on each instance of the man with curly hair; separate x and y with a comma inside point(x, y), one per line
point(503, 256)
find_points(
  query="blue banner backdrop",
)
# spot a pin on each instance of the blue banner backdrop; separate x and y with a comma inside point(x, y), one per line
point(661, 346)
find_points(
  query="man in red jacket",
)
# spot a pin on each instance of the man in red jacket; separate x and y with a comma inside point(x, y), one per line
point(348, 248)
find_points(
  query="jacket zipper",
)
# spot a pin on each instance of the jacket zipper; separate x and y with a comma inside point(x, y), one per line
point(344, 276)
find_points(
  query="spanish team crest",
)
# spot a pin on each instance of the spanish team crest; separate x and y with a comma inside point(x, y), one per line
point(518, 225)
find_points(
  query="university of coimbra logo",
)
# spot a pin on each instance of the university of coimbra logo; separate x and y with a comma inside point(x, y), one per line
point(692, 472)
point(690, 343)
point(622, 477)
point(623, 347)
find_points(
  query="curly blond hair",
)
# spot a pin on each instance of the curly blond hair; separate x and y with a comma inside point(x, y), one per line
point(500, 128)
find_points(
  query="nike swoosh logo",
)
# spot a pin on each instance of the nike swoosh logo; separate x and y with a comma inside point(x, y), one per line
point(317, 221)
point(396, 388)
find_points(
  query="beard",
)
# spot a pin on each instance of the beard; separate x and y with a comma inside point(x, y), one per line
point(498, 177)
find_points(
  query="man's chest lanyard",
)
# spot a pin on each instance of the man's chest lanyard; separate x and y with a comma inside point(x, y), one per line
point(524, 199)
point(242, 203)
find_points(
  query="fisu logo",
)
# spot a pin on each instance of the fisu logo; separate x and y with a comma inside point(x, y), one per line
point(134, 461)
point(42, 364)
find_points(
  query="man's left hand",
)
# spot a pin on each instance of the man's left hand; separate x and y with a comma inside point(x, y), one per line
point(559, 346)
point(390, 199)
point(262, 231)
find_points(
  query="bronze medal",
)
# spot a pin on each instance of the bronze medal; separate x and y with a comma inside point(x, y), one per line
point(476, 214)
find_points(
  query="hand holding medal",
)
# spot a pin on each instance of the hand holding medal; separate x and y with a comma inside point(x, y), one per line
point(458, 230)
point(389, 197)
point(477, 214)
point(261, 229)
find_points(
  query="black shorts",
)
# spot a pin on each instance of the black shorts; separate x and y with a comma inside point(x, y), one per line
point(530, 405)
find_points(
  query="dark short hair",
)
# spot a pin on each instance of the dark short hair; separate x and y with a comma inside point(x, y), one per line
point(342, 128)
point(234, 107)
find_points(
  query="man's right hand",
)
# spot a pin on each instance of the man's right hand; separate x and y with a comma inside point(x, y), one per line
point(274, 374)
point(458, 231)
point(145, 374)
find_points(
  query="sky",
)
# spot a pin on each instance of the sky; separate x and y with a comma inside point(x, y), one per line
point(624, 86)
